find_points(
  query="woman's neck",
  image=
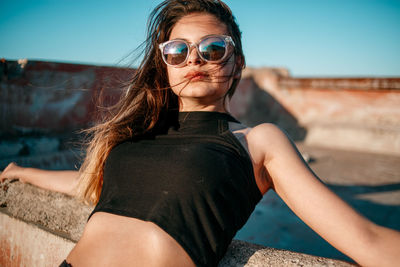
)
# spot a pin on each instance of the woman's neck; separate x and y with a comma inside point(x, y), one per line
point(198, 106)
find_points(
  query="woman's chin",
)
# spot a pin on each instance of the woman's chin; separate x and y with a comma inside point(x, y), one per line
point(199, 90)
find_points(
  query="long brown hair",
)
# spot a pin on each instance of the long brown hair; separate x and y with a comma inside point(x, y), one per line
point(148, 94)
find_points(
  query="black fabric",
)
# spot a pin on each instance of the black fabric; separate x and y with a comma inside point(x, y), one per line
point(195, 181)
point(65, 264)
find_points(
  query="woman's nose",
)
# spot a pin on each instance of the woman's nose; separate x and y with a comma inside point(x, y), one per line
point(194, 57)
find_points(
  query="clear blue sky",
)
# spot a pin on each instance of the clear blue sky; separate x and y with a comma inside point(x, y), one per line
point(309, 37)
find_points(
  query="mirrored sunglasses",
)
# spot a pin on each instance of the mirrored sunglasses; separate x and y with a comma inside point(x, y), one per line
point(211, 48)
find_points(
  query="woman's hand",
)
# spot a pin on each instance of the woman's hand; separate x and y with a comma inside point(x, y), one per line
point(12, 172)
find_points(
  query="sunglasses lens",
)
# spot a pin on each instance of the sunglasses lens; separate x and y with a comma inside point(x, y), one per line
point(175, 52)
point(212, 48)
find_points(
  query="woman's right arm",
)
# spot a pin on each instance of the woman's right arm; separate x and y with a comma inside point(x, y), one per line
point(59, 181)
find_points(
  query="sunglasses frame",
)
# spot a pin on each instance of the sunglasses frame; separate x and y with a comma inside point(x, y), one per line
point(226, 38)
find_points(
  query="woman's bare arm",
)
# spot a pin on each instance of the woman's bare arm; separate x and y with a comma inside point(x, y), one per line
point(60, 181)
point(321, 209)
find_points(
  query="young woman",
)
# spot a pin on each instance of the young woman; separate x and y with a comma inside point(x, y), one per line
point(174, 176)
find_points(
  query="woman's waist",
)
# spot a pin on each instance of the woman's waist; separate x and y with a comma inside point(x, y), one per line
point(120, 240)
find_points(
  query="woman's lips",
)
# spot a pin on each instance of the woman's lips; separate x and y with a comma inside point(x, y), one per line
point(196, 75)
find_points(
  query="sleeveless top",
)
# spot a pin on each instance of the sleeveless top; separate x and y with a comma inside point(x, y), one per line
point(195, 181)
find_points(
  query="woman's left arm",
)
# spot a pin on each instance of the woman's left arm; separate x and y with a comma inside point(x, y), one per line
point(328, 215)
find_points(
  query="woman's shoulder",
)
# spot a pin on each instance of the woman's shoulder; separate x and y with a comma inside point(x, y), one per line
point(265, 133)
point(268, 139)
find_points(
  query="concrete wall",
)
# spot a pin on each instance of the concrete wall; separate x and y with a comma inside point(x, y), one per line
point(25, 244)
point(43, 105)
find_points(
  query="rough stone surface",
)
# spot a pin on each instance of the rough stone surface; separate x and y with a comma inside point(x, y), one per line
point(60, 213)
point(241, 253)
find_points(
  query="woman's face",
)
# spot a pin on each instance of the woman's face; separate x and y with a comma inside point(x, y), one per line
point(200, 85)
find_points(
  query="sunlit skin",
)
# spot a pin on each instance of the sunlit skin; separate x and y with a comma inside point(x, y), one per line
point(204, 94)
point(111, 240)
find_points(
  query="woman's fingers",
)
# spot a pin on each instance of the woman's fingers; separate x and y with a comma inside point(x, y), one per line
point(10, 172)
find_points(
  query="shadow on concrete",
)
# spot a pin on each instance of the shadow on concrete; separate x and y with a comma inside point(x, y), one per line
point(253, 105)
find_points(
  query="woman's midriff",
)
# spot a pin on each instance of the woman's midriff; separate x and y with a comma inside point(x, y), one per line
point(113, 240)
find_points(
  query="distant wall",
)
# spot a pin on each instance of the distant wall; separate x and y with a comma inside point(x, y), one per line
point(43, 105)
point(350, 113)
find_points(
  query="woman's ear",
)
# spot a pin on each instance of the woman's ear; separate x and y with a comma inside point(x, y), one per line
point(239, 66)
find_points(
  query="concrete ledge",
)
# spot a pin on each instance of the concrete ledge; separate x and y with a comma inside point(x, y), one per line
point(242, 253)
point(39, 228)
point(24, 244)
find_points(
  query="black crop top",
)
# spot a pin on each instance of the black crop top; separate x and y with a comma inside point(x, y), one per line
point(195, 181)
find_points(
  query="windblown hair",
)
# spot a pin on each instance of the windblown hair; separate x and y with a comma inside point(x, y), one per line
point(148, 95)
